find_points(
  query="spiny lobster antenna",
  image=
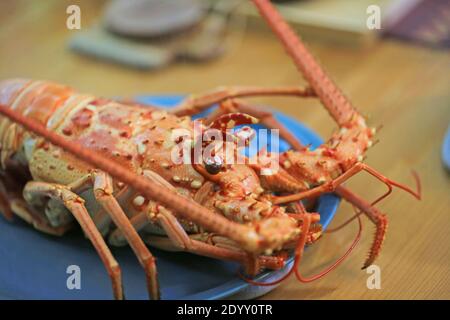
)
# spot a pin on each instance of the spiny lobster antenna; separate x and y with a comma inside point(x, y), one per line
point(330, 95)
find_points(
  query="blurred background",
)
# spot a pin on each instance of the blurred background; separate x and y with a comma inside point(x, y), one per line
point(399, 76)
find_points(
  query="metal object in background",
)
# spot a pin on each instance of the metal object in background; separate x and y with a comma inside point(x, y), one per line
point(152, 18)
point(103, 45)
point(427, 23)
point(150, 34)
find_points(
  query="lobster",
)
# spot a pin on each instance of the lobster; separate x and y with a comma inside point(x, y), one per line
point(67, 157)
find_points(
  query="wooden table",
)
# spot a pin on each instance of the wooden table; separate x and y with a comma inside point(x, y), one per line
point(403, 87)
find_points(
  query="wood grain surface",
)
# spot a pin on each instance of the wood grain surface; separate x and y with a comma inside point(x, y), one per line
point(403, 87)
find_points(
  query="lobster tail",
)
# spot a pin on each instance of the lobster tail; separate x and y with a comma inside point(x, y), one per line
point(35, 99)
point(10, 89)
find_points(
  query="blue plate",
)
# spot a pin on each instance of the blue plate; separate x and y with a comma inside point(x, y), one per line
point(34, 265)
point(446, 150)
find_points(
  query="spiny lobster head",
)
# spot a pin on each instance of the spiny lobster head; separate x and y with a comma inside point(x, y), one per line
point(241, 193)
point(233, 187)
point(219, 180)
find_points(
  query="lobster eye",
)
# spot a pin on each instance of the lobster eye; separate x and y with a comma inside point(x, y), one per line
point(213, 165)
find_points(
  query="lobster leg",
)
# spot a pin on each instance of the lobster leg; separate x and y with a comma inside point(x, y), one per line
point(180, 240)
point(332, 185)
point(215, 251)
point(20, 208)
point(5, 205)
point(197, 103)
point(11, 187)
point(138, 221)
point(75, 205)
point(12, 203)
point(103, 193)
point(102, 219)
